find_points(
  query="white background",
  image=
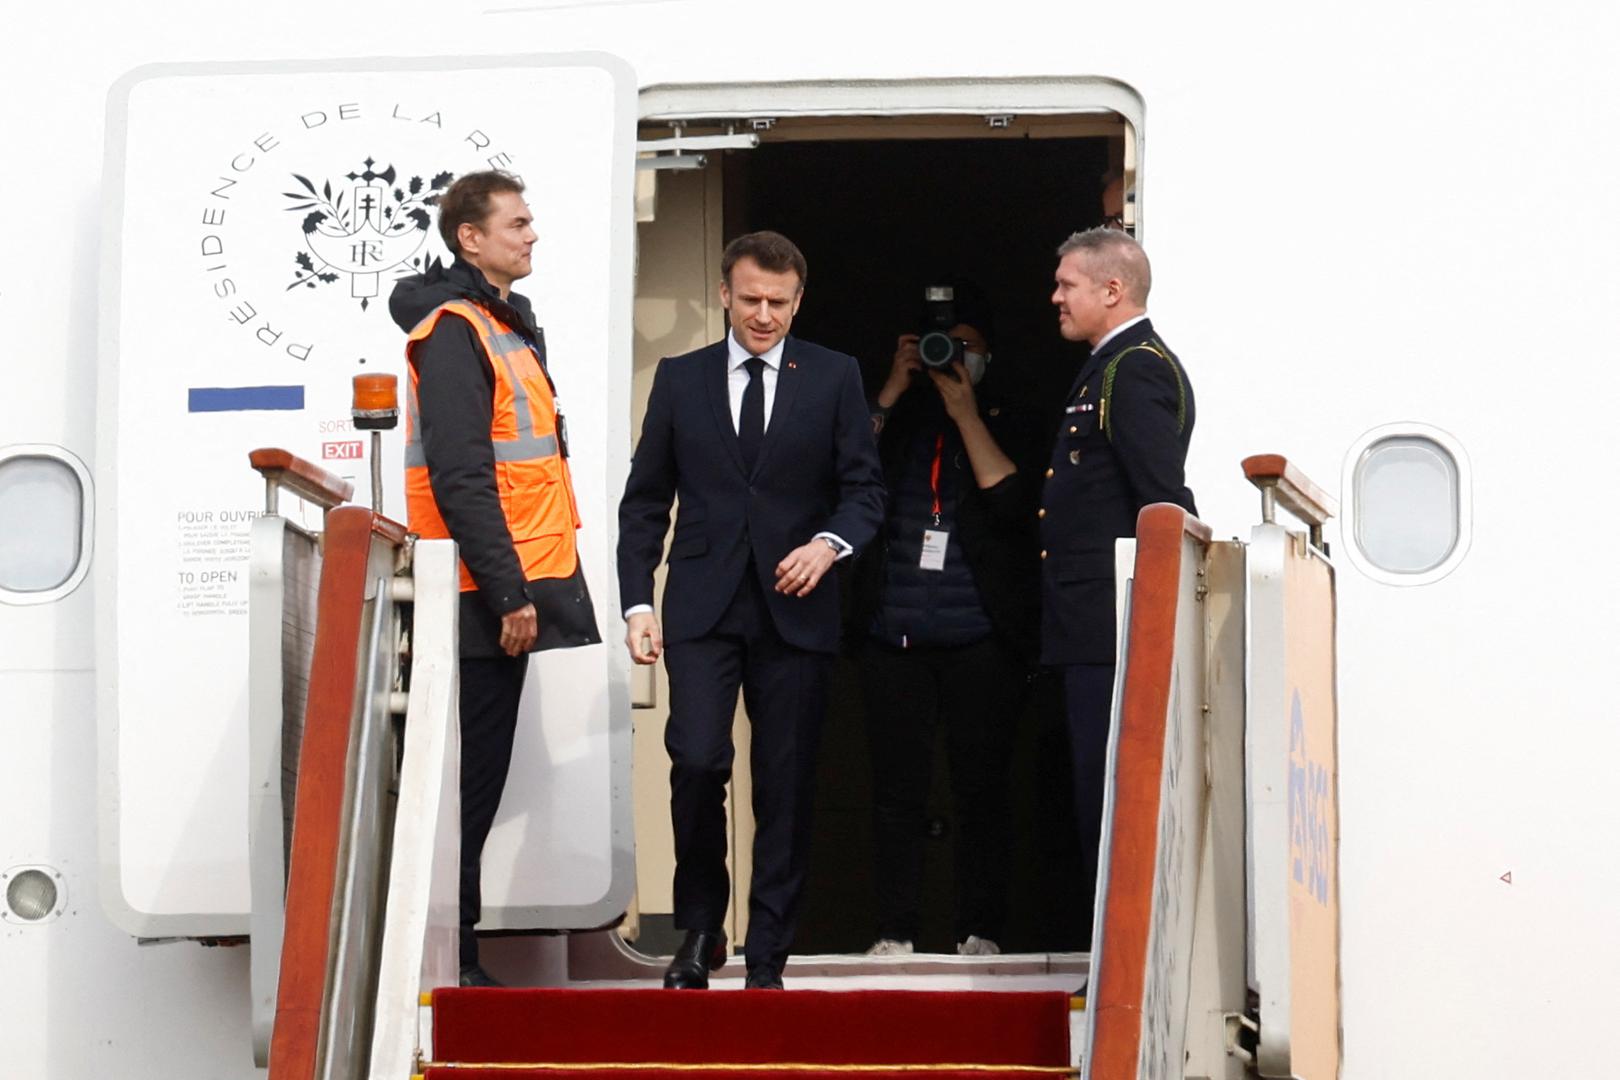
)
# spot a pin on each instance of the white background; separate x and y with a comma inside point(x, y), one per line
point(1357, 214)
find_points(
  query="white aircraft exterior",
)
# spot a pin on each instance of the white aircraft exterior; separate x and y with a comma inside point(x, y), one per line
point(1373, 227)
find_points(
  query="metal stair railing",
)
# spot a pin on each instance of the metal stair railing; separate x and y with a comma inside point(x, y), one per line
point(370, 910)
point(284, 570)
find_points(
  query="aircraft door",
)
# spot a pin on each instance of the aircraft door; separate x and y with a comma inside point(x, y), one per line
point(258, 219)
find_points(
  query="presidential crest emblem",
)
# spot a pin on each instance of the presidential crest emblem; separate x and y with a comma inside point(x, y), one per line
point(362, 227)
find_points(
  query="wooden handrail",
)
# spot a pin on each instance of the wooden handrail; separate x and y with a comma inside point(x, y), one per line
point(314, 876)
point(1190, 525)
point(317, 824)
point(284, 469)
point(1116, 990)
point(1275, 474)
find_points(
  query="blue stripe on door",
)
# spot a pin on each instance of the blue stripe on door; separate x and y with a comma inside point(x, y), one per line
point(244, 398)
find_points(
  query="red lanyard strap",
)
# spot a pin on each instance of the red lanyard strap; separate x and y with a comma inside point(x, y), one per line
point(933, 473)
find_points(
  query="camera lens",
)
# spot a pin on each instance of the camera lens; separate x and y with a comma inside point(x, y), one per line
point(938, 349)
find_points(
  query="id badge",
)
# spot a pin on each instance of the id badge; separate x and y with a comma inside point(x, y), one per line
point(933, 549)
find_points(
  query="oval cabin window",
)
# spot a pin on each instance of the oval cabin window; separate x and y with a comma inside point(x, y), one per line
point(1409, 504)
point(44, 524)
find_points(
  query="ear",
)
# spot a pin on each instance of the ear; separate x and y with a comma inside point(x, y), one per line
point(1116, 292)
point(467, 236)
point(725, 295)
point(798, 298)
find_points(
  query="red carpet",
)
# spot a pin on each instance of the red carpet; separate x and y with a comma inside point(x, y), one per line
point(1011, 1072)
point(1013, 1034)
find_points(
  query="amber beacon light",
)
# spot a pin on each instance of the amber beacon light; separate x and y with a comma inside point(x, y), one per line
point(376, 409)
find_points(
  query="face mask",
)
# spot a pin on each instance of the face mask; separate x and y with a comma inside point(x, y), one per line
point(975, 362)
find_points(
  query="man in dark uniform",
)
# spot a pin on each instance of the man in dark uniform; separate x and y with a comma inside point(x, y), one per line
point(1121, 445)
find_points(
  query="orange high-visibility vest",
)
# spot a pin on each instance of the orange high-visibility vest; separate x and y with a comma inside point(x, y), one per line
point(531, 474)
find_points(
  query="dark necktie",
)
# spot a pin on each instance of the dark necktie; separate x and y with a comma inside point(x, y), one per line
point(751, 420)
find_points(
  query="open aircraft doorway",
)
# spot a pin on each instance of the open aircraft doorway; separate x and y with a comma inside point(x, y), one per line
point(882, 206)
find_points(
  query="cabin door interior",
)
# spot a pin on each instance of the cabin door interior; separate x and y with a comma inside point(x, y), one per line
point(881, 207)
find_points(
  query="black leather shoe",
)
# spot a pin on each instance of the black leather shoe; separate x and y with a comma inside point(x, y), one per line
point(474, 975)
point(763, 977)
point(703, 951)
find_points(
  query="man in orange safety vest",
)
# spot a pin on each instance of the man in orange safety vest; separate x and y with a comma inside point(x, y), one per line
point(486, 464)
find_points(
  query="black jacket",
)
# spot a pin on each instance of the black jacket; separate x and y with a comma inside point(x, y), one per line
point(996, 524)
point(817, 471)
point(1099, 480)
point(456, 404)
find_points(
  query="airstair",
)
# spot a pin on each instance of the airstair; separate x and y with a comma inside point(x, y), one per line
point(1216, 935)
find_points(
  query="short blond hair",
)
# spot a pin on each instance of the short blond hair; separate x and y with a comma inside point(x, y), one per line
point(1110, 253)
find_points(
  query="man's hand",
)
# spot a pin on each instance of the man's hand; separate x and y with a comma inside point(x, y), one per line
point(644, 637)
point(800, 572)
point(907, 360)
point(957, 393)
point(519, 629)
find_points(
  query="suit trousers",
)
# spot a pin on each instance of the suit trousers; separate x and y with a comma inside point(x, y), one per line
point(491, 688)
point(977, 693)
point(784, 690)
point(1088, 693)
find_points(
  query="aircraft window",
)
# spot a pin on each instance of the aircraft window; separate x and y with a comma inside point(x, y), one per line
point(1409, 508)
point(44, 523)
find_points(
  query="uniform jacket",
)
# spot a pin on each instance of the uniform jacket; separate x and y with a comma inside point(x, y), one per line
point(1100, 478)
point(995, 525)
point(817, 471)
point(456, 401)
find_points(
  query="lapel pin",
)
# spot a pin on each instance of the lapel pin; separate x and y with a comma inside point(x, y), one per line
point(791, 364)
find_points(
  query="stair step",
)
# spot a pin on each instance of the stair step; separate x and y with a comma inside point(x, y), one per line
point(757, 1027)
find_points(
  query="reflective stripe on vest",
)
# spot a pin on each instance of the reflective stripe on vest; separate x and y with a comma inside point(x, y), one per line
point(532, 478)
point(500, 343)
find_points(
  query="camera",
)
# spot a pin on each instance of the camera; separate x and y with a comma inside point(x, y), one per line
point(939, 350)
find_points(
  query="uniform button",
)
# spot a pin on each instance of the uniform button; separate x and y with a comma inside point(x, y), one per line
point(1073, 429)
point(1049, 473)
point(1043, 553)
point(1074, 457)
point(1041, 512)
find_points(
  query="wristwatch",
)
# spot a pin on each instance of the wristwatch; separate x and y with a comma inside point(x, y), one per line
point(830, 542)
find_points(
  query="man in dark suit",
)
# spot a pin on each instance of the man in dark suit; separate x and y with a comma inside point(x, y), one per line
point(1121, 445)
point(767, 442)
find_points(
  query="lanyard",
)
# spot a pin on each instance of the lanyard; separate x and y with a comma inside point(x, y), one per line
point(933, 474)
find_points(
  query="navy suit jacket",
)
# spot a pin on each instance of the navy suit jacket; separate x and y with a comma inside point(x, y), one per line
point(817, 471)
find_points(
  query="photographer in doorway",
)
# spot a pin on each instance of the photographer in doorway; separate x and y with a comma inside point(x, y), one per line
point(944, 615)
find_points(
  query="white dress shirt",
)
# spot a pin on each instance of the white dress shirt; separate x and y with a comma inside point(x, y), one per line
point(737, 377)
point(1106, 338)
point(737, 359)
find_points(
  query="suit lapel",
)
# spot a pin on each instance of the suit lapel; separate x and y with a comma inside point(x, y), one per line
point(787, 390)
point(715, 374)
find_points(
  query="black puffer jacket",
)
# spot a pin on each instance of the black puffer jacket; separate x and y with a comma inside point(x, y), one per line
point(456, 402)
point(997, 524)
